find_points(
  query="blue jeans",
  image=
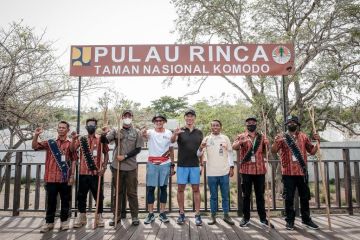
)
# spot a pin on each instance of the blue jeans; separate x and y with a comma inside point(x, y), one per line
point(214, 183)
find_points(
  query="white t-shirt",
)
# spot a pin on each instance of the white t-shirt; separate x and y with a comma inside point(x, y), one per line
point(218, 155)
point(159, 143)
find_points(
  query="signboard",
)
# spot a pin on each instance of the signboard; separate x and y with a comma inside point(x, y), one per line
point(182, 60)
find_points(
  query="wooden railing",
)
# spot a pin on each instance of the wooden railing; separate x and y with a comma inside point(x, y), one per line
point(21, 192)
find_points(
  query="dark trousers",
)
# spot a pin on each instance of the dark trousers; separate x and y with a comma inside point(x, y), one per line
point(290, 185)
point(86, 183)
point(53, 189)
point(259, 186)
point(129, 178)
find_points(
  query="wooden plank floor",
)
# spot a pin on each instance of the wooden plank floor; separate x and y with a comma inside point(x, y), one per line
point(27, 228)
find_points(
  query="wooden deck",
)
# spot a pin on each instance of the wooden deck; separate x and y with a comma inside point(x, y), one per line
point(344, 227)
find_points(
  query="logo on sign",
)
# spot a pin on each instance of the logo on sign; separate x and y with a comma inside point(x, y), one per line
point(81, 56)
point(281, 54)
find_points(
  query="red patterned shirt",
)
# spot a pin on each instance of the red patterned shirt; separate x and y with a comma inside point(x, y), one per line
point(250, 167)
point(289, 165)
point(52, 171)
point(94, 145)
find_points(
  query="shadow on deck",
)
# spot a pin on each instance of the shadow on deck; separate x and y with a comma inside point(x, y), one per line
point(344, 227)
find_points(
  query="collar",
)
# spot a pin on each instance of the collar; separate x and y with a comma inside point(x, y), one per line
point(65, 140)
point(247, 133)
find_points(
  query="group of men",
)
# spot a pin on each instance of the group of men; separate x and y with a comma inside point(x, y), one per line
point(194, 150)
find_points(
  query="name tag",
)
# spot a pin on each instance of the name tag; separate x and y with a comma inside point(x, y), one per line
point(294, 158)
point(63, 158)
point(94, 153)
point(253, 158)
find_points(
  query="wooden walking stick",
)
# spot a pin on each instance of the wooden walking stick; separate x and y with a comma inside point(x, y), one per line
point(96, 219)
point(268, 184)
point(318, 154)
point(117, 174)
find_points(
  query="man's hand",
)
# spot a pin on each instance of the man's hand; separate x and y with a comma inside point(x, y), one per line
point(178, 131)
point(279, 138)
point(172, 171)
point(144, 132)
point(105, 129)
point(120, 158)
point(101, 172)
point(266, 141)
point(316, 137)
point(38, 131)
point(231, 172)
point(71, 180)
point(74, 135)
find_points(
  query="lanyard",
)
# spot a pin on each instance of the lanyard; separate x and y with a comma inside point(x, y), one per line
point(252, 143)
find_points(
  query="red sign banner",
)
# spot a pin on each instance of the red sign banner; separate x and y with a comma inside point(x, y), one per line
point(182, 60)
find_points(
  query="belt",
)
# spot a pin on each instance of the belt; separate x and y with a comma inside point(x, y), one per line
point(157, 160)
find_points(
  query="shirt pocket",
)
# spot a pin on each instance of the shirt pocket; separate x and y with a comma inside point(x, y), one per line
point(131, 138)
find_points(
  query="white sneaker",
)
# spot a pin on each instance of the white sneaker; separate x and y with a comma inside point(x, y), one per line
point(80, 220)
point(100, 220)
point(65, 225)
point(47, 227)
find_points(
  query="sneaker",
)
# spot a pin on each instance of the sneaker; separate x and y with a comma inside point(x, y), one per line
point(212, 219)
point(135, 221)
point(80, 220)
point(100, 220)
point(266, 223)
point(228, 219)
point(290, 225)
point(163, 217)
point(244, 222)
point(198, 220)
point(181, 219)
point(310, 224)
point(65, 225)
point(47, 227)
point(150, 218)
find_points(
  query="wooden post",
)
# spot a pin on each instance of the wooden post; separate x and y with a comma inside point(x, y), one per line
point(17, 184)
point(346, 157)
point(239, 187)
point(27, 186)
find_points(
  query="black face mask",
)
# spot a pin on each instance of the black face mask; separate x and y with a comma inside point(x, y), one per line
point(251, 128)
point(292, 128)
point(91, 129)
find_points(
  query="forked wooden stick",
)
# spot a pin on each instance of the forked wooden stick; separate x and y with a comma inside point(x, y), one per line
point(318, 154)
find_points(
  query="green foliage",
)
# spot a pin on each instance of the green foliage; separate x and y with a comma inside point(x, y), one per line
point(231, 116)
point(171, 107)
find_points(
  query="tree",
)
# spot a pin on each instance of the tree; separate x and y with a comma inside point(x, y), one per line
point(326, 36)
point(32, 84)
point(171, 107)
point(232, 116)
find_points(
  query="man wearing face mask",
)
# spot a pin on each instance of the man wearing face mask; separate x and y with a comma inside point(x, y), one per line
point(131, 142)
point(89, 170)
point(252, 146)
point(293, 147)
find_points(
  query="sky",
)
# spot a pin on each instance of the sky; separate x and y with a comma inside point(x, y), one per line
point(110, 22)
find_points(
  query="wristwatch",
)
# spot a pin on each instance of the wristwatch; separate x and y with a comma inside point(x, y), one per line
point(125, 156)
